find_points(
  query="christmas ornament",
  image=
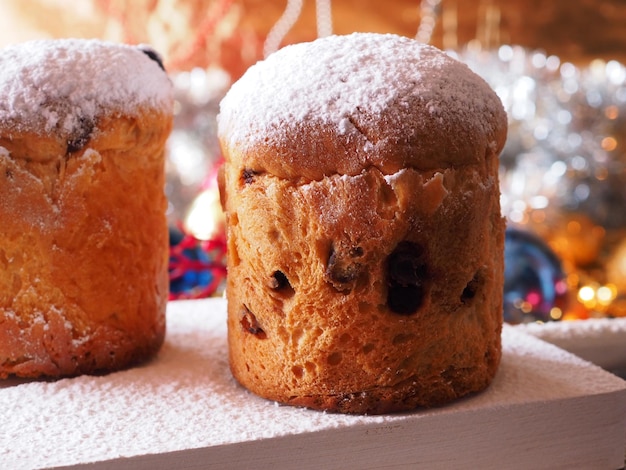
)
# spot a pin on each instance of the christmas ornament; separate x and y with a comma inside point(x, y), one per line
point(616, 266)
point(205, 217)
point(196, 268)
point(534, 282)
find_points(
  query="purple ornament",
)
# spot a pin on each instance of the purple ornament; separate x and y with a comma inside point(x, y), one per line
point(534, 281)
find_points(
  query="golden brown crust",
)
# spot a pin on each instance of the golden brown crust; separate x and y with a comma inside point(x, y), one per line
point(415, 108)
point(325, 336)
point(366, 285)
point(83, 247)
point(381, 142)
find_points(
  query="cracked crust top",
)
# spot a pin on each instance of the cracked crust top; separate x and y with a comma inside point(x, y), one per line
point(360, 100)
point(60, 88)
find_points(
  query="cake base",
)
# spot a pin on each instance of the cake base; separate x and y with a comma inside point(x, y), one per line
point(546, 408)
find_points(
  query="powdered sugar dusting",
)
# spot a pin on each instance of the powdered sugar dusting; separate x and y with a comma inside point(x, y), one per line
point(57, 85)
point(333, 79)
point(186, 399)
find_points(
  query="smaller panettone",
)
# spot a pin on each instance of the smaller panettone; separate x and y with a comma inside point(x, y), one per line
point(83, 238)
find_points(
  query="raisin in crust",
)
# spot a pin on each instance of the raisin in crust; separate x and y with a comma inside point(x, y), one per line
point(365, 240)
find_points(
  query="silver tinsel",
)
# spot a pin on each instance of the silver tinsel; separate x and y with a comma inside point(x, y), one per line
point(193, 149)
point(566, 146)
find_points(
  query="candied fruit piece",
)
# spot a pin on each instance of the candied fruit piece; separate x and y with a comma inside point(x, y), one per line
point(154, 55)
point(342, 270)
point(250, 323)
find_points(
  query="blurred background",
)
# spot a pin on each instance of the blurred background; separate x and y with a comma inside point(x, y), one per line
point(230, 33)
point(557, 65)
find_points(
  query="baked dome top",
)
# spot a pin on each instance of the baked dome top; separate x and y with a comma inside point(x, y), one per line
point(58, 85)
point(343, 103)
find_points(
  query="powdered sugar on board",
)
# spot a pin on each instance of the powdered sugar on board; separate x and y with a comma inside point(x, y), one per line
point(50, 85)
point(332, 79)
point(599, 340)
point(184, 410)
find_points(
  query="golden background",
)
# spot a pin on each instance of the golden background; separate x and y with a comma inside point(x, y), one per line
point(230, 33)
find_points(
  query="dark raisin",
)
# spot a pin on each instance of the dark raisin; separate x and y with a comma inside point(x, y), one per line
point(471, 289)
point(279, 281)
point(341, 269)
point(251, 324)
point(407, 274)
point(75, 145)
point(405, 300)
point(247, 175)
point(405, 264)
point(356, 252)
point(81, 136)
point(154, 55)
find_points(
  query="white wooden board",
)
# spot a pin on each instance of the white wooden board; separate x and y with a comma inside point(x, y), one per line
point(598, 340)
point(546, 409)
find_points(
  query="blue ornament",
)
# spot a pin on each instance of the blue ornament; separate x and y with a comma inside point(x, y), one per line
point(534, 281)
point(190, 269)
